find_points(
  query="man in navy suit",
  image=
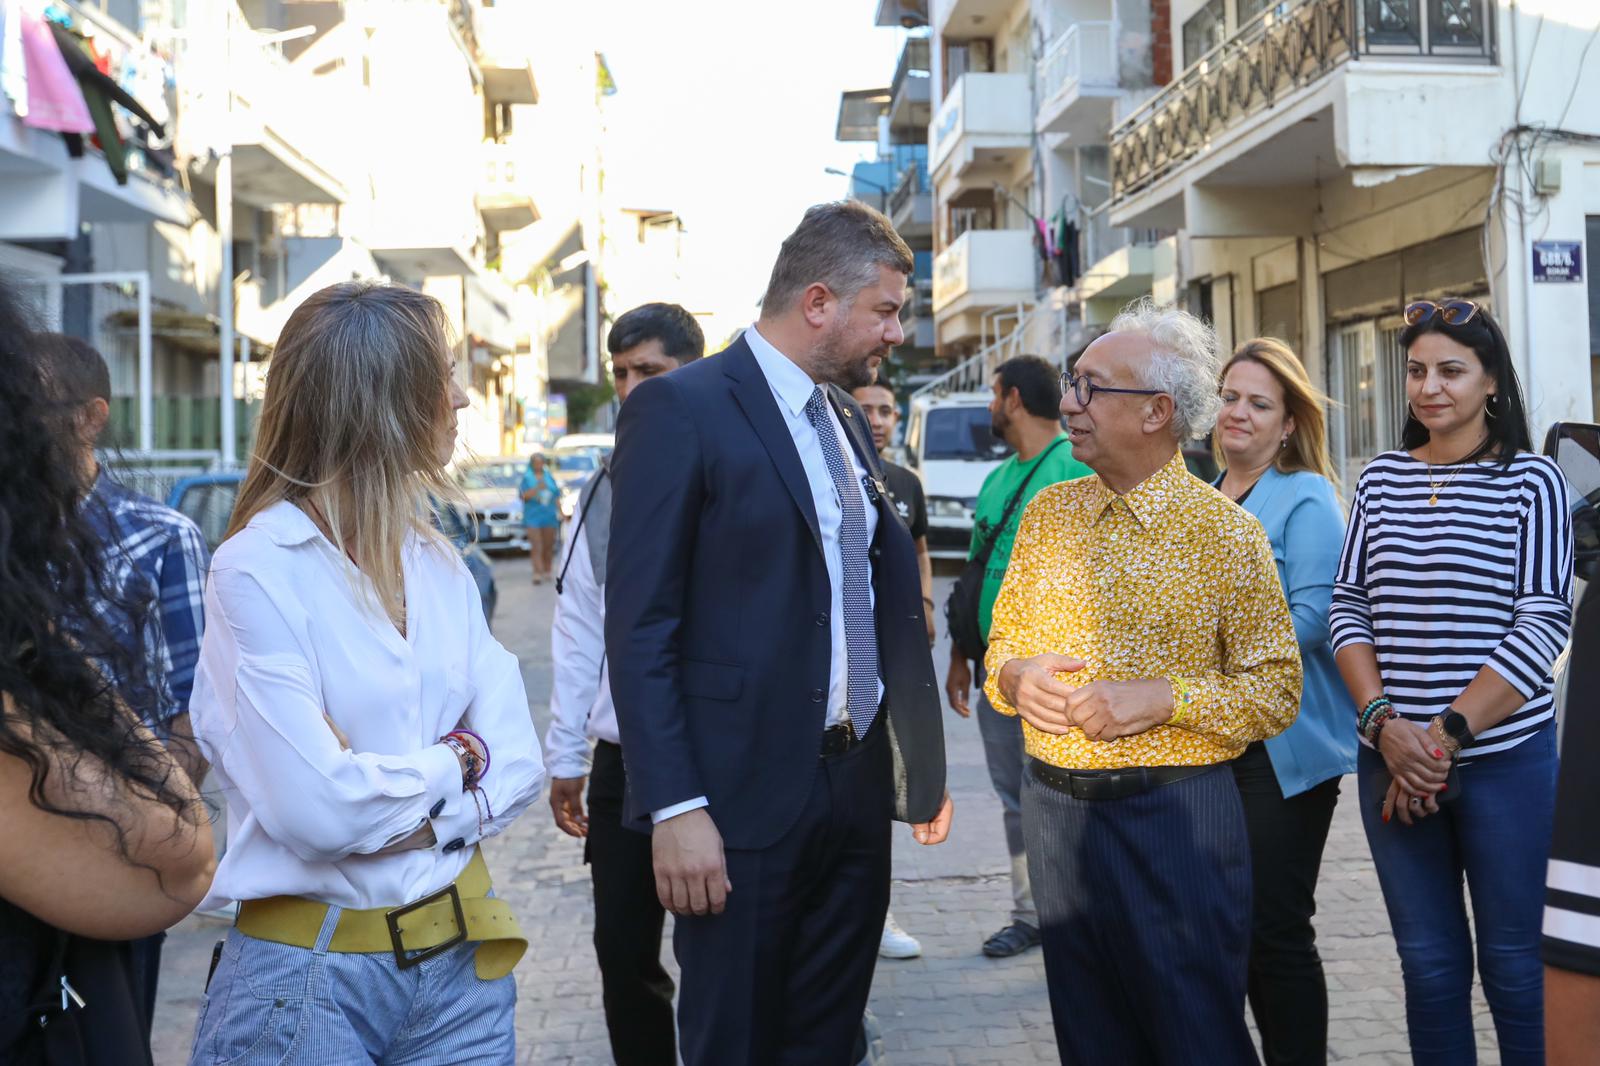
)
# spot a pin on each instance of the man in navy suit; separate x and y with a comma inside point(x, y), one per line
point(769, 656)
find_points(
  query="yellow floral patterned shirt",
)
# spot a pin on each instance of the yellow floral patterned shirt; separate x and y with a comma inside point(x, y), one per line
point(1172, 580)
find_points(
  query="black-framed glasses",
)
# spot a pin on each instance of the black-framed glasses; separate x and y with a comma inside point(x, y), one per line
point(1083, 389)
point(1454, 312)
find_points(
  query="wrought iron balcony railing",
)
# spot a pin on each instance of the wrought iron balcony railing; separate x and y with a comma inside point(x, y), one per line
point(913, 182)
point(1288, 46)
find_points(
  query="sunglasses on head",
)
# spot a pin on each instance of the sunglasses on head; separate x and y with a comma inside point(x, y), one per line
point(1453, 312)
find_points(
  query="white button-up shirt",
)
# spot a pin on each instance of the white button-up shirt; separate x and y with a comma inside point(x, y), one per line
point(289, 638)
point(792, 387)
point(580, 698)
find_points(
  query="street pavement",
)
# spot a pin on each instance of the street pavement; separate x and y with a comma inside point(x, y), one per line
point(951, 1007)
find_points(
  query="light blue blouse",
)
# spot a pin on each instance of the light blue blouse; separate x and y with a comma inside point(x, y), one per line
point(1302, 517)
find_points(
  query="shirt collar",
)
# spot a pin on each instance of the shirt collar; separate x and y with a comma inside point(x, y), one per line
point(788, 382)
point(286, 525)
point(1147, 500)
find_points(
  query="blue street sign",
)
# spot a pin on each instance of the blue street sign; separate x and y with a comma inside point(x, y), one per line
point(1557, 260)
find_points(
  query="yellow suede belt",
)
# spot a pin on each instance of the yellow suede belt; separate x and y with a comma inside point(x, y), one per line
point(413, 932)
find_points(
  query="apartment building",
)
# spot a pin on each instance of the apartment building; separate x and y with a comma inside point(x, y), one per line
point(1324, 161)
point(301, 143)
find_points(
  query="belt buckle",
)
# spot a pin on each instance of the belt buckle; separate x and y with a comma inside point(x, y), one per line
point(404, 960)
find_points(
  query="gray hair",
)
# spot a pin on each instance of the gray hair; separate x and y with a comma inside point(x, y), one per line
point(1184, 362)
point(840, 244)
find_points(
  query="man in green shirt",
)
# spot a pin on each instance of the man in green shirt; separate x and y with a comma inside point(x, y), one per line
point(1026, 413)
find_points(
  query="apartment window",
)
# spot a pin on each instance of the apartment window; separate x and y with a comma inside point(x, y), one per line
point(1205, 30)
point(1249, 9)
point(1278, 313)
point(967, 57)
point(1366, 381)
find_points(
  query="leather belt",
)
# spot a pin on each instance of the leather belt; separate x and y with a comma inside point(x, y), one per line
point(413, 932)
point(1110, 784)
point(838, 739)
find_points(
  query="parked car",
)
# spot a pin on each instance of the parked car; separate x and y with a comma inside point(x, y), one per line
point(950, 447)
point(491, 489)
point(604, 443)
point(207, 499)
point(574, 464)
point(1575, 446)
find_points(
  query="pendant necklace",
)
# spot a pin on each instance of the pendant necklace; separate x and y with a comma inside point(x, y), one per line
point(1436, 487)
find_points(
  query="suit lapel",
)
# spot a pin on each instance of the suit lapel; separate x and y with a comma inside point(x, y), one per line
point(754, 397)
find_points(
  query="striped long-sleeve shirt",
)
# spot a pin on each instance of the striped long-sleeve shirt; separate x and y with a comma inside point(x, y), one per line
point(1481, 577)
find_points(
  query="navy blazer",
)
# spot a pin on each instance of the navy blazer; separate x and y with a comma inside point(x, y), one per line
point(717, 605)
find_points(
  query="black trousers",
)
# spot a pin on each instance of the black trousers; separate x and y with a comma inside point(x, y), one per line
point(1288, 992)
point(635, 988)
point(1144, 907)
point(781, 977)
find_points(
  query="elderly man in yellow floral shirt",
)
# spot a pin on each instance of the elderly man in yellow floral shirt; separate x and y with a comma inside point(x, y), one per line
point(1143, 636)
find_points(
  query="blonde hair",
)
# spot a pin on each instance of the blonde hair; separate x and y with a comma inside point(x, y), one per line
point(357, 396)
point(1307, 447)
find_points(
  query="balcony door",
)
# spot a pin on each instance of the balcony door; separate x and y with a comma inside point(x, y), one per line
point(1366, 381)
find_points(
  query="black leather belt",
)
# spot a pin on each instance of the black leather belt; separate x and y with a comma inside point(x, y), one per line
point(1110, 784)
point(838, 739)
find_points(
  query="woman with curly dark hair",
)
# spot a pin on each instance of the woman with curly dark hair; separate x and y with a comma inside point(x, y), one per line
point(103, 837)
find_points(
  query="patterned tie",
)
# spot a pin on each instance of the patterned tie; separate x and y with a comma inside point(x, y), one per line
point(860, 629)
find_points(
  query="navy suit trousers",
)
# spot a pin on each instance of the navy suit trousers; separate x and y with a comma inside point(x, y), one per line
point(1144, 905)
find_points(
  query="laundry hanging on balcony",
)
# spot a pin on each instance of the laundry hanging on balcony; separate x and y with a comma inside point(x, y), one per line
point(54, 100)
point(1068, 267)
point(99, 91)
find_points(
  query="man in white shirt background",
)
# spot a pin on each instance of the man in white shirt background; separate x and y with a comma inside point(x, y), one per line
point(637, 991)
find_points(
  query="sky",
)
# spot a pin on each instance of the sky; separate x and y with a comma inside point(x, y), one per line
point(725, 113)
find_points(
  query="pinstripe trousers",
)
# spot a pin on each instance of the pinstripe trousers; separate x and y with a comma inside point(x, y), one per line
point(1144, 905)
point(274, 1004)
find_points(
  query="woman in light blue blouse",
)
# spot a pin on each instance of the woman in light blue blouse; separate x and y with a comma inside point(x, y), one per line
point(540, 516)
point(1272, 440)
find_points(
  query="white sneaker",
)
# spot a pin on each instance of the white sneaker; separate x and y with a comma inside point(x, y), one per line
point(896, 942)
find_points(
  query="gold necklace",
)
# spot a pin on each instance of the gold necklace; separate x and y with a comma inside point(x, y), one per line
point(1436, 487)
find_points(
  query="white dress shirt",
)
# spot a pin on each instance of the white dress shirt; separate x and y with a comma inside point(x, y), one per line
point(288, 638)
point(580, 699)
point(792, 388)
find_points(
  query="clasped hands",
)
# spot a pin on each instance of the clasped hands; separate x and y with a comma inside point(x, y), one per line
point(1418, 758)
point(1104, 710)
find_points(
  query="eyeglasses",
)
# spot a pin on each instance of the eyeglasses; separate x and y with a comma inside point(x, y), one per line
point(1454, 312)
point(1083, 389)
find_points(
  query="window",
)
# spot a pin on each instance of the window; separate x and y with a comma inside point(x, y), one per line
point(967, 57)
point(1278, 313)
point(1204, 30)
point(962, 433)
point(1366, 381)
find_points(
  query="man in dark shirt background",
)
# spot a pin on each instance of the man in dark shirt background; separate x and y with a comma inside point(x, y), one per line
point(905, 488)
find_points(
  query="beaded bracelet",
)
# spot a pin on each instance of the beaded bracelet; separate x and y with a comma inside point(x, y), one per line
point(1375, 725)
point(1370, 711)
point(471, 774)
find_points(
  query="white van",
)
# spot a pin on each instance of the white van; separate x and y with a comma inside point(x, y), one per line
point(951, 448)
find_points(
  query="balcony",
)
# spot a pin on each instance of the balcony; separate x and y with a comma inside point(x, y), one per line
point(282, 150)
point(502, 199)
point(1362, 82)
point(966, 19)
point(981, 271)
point(910, 94)
point(911, 204)
point(502, 56)
point(1078, 82)
point(986, 119)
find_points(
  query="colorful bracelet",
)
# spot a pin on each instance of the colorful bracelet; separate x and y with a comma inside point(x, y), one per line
point(1376, 723)
point(471, 774)
point(1370, 711)
point(484, 744)
point(1182, 698)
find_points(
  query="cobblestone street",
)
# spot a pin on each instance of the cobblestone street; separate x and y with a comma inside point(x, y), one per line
point(952, 1006)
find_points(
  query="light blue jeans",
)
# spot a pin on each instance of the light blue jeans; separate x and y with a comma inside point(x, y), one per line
point(271, 1004)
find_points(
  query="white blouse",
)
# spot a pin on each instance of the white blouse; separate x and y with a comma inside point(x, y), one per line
point(288, 638)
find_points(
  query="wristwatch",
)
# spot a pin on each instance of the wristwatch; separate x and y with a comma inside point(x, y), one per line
point(1455, 726)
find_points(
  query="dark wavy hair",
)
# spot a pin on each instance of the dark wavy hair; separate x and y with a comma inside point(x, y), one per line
point(1508, 419)
point(57, 652)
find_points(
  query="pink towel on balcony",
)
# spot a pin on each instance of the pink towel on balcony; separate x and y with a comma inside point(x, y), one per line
point(54, 100)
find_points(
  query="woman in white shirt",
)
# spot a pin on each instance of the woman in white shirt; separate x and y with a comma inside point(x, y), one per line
point(366, 729)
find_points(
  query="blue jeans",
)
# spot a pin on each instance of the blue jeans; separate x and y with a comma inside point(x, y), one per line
point(274, 1003)
point(1496, 835)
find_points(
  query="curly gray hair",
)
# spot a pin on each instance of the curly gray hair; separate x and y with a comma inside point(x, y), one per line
point(1184, 362)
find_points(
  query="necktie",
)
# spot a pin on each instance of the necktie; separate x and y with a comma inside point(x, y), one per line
point(860, 629)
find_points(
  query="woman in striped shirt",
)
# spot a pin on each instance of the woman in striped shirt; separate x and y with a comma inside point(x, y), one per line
point(1453, 598)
